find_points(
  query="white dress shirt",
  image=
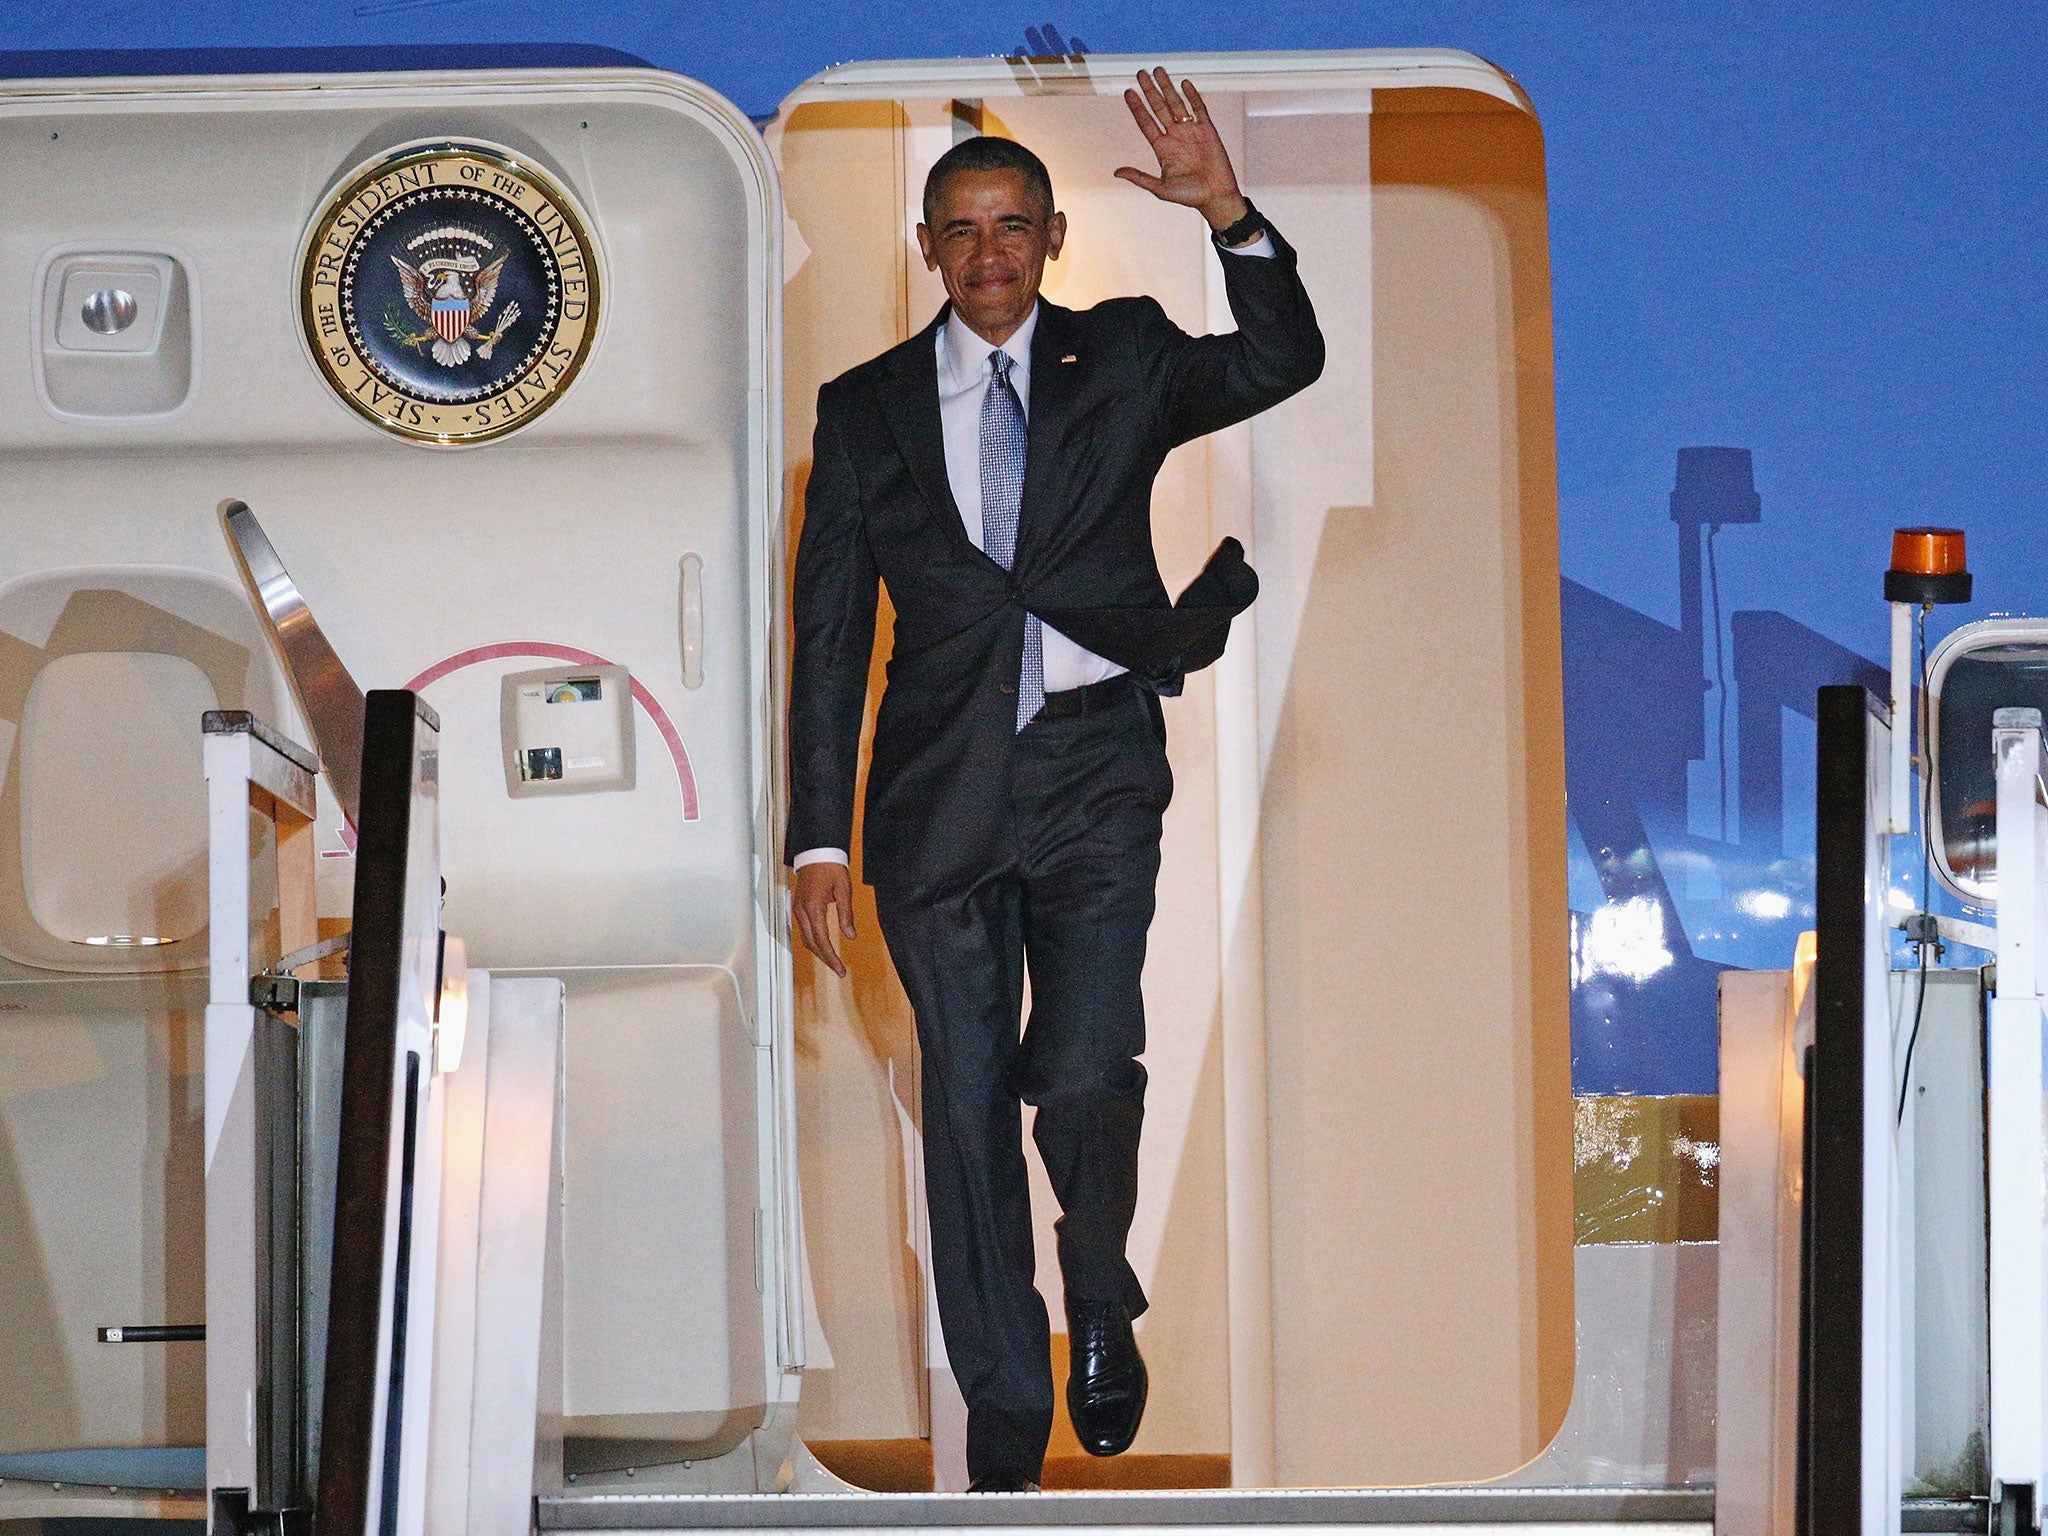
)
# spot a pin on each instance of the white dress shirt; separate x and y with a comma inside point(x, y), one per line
point(965, 370)
point(964, 375)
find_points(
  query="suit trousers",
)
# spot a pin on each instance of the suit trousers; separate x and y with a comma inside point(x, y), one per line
point(1070, 903)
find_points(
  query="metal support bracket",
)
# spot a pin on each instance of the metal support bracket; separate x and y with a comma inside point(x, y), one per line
point(251, 1099)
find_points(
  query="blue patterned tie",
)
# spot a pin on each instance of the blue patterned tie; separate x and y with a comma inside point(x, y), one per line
point(1002, 494)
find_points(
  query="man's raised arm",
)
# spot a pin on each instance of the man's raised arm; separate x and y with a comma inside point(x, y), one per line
point(1277, 350)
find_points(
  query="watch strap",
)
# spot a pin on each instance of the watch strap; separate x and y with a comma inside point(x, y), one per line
point(1241, 233)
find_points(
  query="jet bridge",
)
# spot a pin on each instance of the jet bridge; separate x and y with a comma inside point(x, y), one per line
point(1885, 1123)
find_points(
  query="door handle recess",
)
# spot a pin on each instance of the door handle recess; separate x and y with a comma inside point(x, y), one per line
point(693, 621)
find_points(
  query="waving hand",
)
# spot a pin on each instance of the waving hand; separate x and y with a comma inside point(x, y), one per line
point(1194, 167)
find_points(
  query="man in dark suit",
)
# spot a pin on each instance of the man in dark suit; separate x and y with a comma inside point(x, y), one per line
point(996, 471)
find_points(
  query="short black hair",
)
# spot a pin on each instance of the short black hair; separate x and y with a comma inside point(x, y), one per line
point(986, 153)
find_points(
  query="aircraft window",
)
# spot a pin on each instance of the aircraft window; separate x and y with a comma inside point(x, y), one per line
point(1973, 686)
point(113, 802)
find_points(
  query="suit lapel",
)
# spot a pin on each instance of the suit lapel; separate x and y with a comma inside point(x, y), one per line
point(910, 404)
point(1053, 377)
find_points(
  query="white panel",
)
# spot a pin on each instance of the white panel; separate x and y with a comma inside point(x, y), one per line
point(456, 1336)
point(101, 1228)
point(1762, 1119)
point(662, 1316)
point(1951, 1369)
point(515, 1423)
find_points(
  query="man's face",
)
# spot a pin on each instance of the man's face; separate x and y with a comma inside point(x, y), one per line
point(989, 240)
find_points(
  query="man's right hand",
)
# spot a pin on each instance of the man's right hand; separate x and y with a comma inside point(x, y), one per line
point(819, 887)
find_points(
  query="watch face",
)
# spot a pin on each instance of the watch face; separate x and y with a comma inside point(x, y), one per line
point(450, 293)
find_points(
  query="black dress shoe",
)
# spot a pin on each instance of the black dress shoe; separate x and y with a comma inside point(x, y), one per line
point(1003, 1482)
point(1106, 1382)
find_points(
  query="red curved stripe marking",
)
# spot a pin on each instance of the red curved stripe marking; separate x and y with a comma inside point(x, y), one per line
point(686, 779)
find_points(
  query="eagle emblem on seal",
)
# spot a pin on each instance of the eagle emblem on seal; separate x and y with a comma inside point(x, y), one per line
point(452, 289)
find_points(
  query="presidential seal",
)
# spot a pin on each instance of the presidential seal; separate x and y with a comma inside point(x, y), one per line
point(449, 293)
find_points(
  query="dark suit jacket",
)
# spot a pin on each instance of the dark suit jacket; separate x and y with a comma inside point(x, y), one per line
point(1113, 390)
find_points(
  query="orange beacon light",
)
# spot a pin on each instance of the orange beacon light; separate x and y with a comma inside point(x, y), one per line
point(1928, 566)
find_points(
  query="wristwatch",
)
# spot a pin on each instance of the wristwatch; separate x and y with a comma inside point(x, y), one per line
point(1241, 233)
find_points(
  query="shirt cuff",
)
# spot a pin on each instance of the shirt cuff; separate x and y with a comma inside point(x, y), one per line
point(819, 856)
point(1263, 246)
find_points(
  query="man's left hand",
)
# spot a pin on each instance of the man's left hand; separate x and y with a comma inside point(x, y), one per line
point(1194, 167)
